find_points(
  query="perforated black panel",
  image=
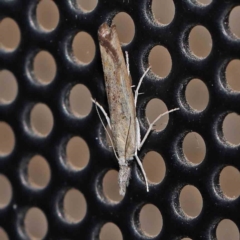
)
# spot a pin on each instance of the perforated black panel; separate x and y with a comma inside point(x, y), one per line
point(168, 142)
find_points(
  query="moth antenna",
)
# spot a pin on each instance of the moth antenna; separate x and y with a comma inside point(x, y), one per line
point(115, 153)
point(104, 112)
point(127, 137)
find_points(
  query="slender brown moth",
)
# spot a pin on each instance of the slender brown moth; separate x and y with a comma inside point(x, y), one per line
point(123, 123)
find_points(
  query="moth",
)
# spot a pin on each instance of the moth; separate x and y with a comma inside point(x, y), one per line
point(123, 123)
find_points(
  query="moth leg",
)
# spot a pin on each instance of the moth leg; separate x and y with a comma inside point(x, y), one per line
point(138, 86)
point(104, 112)
point(143, 172)
point(138, 138)
point(152, 124)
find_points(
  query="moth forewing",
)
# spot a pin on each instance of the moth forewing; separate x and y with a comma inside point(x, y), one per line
point(119, 92)
point(120, 100)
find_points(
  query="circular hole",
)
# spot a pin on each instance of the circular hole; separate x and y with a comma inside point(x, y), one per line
point(35, 223)
point(74, 205)
point(163, 11)
point(44, 67)
point(111, 187)
point(191, 201)
point(7, 139)
point(204, 2)
point(200, 42)
point(160, 61)
point(154, 167)
point(8, 87)
point(194, 148)
point(47, 15)
point(3, 234)
point(77, 153)
point(229, 182)
point(87, 5)
point(41, 119)
point(110, 231)
point(154, 108)
point(9, 34)
point(150, 220)
point(83, 47)
point(125, 27)
point(231, 128)
point(38, 172)
point(80, 101)
point(227, 229)
point(232, 75)
point(197, 95)
point(234, 21)
point(5, 191)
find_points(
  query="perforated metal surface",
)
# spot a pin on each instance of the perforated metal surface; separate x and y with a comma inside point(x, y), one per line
point(168, 142)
